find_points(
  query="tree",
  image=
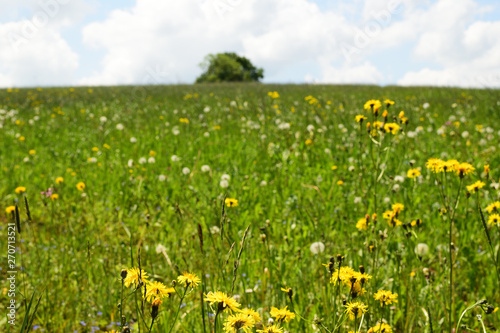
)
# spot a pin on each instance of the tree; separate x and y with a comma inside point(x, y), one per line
point(229, 67)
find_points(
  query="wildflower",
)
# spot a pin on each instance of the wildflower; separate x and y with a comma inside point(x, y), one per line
point(59, 180)
point(231, 202)
point(205, 168)
point(157, 290)
point(450, 165)
point(413, 173)
point(340, 183)
point(54, 197)
point(475, 187)
point(493, 206)
point(186, 171)
point(463, 169)
point(20, 189)
point(133, 277)
point(362, 224)
point(385, 297)
point(355, 309)
point(154, 308)
point(359, 118)
point(334, 167)
point(271, 329)
point(222, 300)
point(162, 178)
point(151, 160)
point(273, 94)
point(22, 138)
point(380, 328)
point(343, 275)
point(120, 127)
point(239, 321)
point(184, 120)
point(10, 209)
point(487, 169)
point(252, 313)
point(373, 105)
point(224, 183)
point(95, 149)
point(421, 249)
point(152, 153)
point(189, 279)
point(32, 152)
point(388, 103)
point(80, 186)
point(391, 128)
point(435, 165)
point(494, 219)
point(282, 315)
point(398, 208)
point(175, 158)
point(401, 115)
point(308, 142)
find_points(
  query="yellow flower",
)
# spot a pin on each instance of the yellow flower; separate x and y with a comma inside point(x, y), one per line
point(401, 115)
point(184, 120)
point(340, 183)
point(133, 277)
point(388, 102)
point(106, 146)
point(487, 169)
point(273, 94)
point(152, 153)
point(189, 279)
point(20, 189)
point(385, 114)
point(22, 138)
point(362, 224)
point(463, 169)
point(222, 300)
point(494, 219)
point(80, 186)
point(392, 128)
point(32, 152)
point(385, 297)
point(380, 328)
point(282, 314)
point(475, 187)
point(397, 208)
point(450, 165)
point(359, 118)
point(435, 165)
point(355, 309)
point(344, 275)
point(217, 127)
point(157, 290)
point(54, 196)
point(238, 321)
point(413, 173)
point(252, 313)
point(95, 149)
point(231, 202)
point(59, 180)
point(372, 104)
point(377, 124)
point(309, 142)
point(271, 329)
point(493, 207)
point(334, 167)
point(10, 209)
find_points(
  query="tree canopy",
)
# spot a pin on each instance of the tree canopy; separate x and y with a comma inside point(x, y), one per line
point(229, 67)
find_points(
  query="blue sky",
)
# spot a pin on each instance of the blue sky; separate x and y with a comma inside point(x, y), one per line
point(97, 42)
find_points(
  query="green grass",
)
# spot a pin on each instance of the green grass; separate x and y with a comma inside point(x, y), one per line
point(75, 246)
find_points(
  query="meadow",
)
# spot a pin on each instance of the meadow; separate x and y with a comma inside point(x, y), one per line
point(251, 208)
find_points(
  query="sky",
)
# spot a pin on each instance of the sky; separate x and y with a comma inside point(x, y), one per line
point(134, 42)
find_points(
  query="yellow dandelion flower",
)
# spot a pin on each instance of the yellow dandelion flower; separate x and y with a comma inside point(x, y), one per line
point(385, 297)
point(252, 313)
point(397, 208)
point(309, 142)
point(385, 114)
point(475, 187)
point(493, 207)
point(231, 202)
point(189, 279)
point(32, 152)
point(377, 124)
point(340, 183)
point(152, 153)
point(271, 329)
point(59, 180)
point(157, 290)
point(184, 120)
point(380, 328)
point(372, 104)
point(464, 169)
point(282, 315)
point(401, 115)
point(413, 173)
point(10, 209)
point(133, 277)
point(355, 309)
point(487, 169)
point(391, 128)
point(222, 300)
point(435, 165)
point(95, 149)
point(20, 189)
point(106, 146)
point(54, 196)
point(344, 275)
point(22, 138)
point(450, 165)
point(359, 118)
point(334, 167)
point(80, 186)
point(388, 103)
point(362, 224)
point(494, 219)
point(237, 322)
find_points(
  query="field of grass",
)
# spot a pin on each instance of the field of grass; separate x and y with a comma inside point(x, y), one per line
point(121, 174)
